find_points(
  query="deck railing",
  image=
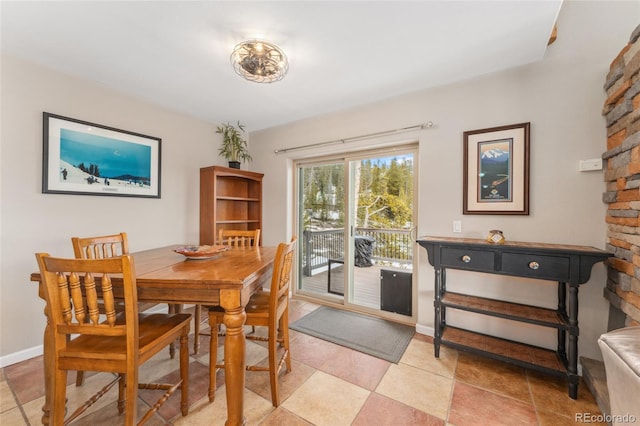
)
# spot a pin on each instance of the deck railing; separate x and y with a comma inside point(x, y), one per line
point(390, 245)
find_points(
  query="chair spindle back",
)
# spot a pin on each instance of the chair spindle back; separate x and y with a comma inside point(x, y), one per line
point(100, 247)
point(76, 298)
point(239, 238)
point(281, 278)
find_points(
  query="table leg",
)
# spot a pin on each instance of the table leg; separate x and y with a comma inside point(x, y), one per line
point(234, 355)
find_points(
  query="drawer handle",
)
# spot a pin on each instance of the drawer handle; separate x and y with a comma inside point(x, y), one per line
point(466, 258)
point(534, 265)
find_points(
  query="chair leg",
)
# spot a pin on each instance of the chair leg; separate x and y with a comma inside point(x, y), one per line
point(79, 378)
point(213, 356)
point(59, 398)
point(184, 372)
point(196, 327)
point(79, 374)
point(131, 397)
point(284, 325)
point(273, 365)
point(121, 395)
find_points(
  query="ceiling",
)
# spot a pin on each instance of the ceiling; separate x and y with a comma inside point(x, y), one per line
point(342, 54)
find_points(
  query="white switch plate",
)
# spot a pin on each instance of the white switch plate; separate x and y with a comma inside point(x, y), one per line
point(457, 226)
point(589, 165)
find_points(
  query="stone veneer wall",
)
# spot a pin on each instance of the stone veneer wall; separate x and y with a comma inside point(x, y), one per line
point(622, 177)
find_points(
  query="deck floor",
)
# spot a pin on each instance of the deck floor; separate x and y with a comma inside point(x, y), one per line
point(366, 287)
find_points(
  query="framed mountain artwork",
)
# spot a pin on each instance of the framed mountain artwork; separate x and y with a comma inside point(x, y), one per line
point(91, 159)
point(496, 170)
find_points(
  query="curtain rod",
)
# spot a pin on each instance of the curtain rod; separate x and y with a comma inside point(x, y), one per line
point(355, 138)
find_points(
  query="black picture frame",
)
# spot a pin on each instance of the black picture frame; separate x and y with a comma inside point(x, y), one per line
point(84, 158)
point(496, 170)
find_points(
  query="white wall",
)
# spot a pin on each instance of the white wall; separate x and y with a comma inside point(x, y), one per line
point(32, 221)
point(562, 97)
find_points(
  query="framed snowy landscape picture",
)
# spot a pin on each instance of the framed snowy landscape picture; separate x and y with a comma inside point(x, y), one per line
point(496, 170)
point(90, 159)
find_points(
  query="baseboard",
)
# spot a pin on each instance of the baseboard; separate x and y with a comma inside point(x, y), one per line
point(20, 356)
point(423, 329)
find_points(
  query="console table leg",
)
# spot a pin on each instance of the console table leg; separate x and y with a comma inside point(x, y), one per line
point(437, 308)
point(442, 292)
point(562, 297)
point(573, 387)
point(562, 310)
point(572, 358)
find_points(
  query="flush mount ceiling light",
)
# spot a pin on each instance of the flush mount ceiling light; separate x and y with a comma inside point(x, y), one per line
point(259, 61)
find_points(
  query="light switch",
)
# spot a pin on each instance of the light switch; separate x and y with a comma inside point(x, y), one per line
point(589, 165)
point(457, 226)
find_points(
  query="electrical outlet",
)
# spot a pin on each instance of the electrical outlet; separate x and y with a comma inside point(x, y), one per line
point(457, 226)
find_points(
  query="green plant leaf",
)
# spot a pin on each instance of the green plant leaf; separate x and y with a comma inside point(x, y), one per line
point(234, 147)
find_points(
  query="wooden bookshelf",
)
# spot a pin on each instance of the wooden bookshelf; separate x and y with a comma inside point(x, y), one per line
point(229, 199)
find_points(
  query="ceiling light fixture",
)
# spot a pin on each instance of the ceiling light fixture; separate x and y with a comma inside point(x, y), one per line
point(259, 61)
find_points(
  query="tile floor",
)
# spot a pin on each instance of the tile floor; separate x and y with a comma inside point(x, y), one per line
point(330, 385)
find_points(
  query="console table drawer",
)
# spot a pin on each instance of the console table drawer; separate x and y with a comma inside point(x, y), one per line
point(476, 260)
point(554, 268)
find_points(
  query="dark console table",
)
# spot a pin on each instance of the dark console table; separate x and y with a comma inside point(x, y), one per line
point(569, 265)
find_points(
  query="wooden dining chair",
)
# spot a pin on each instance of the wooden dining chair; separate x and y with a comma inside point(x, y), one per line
point(268, 309)
point(239, 238)
point(103, 247)
point(231, 238)
point(111, 341)
point(100, 247)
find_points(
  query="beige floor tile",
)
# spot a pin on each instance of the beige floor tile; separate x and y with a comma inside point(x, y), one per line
point(7, 401)
point(424, 390)
point(325, 400)
point(108, 416)
point(282, 417)
point(12, 417)
point(288, 383)
point(159, 365)
point(204, 413)
point(204, 357)
point(33, 411)
point(254, 353)
point(419, 354)
point(78, 395)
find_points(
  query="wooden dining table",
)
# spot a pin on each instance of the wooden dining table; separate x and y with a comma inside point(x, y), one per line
point(226, 280)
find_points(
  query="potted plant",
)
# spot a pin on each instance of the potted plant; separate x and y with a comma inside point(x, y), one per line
point(234, 147)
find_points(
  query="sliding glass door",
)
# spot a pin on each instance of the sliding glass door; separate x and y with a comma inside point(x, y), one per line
point(355, 216)
point(321, 222)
